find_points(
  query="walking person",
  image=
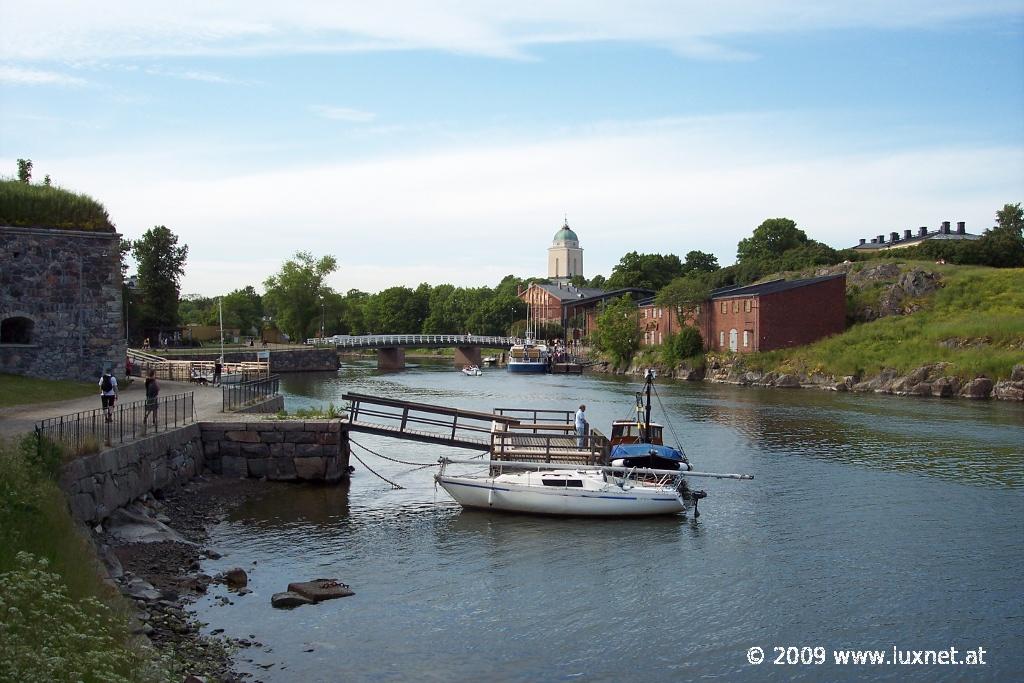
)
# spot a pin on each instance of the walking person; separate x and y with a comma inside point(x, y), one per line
point(108, 394)
point(217, 367)
point(581, 426)
point(152, 392)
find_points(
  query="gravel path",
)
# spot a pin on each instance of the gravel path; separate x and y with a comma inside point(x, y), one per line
point(17, 420)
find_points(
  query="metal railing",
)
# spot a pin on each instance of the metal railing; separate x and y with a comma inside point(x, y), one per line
point(376, 341)
point(86, 431)
point(238, 395)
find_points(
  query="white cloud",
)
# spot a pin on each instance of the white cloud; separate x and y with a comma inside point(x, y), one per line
point(195, 75)
point(14, 75)
point(110, 28)
point(470, 215)
point(343, 114)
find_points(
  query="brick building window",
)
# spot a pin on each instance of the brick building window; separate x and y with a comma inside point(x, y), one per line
point(16, 330)
point(746, 338)
point(725, 307)
point(746, 307)
point(735, 306)
point(721, 336)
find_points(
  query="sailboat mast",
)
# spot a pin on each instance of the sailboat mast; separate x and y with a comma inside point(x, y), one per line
point(220, 312)
point(647, 408)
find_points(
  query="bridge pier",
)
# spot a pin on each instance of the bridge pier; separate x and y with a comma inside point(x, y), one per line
point(392, 358)
point(467, 355)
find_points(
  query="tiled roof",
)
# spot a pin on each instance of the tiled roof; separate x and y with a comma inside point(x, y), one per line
point(770, 287)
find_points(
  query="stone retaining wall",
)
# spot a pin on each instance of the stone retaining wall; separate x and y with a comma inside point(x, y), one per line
point(96, 485)
point(280, 450)
point(271, 405)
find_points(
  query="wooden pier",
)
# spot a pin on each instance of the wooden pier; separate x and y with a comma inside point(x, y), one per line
point(511, 434)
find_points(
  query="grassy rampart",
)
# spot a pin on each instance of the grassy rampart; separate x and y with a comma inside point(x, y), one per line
point(974, 322)
point(42, 206)
point(16, 390)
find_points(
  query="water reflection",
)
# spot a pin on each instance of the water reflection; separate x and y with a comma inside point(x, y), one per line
point(858, 531)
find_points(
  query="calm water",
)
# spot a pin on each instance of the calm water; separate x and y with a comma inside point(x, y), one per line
point(871, 522)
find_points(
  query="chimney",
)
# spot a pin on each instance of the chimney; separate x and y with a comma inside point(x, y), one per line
point(862, 240)
point(945, 228)
point(961, 227)
point(881, 239)
point(894, 236)
point(922, 231)
point(907, 234)
point(874, 240)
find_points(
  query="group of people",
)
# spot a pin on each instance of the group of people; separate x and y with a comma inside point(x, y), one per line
point(109, 395)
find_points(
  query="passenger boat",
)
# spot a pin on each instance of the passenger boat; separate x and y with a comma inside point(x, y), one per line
point(472, 371)
point(529, 356)
point(490, 360)
point(573, 490)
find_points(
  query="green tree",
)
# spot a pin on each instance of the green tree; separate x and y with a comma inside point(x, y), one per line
point(772, 238)
point(598, 282)
point(243, 309)
point(684, 296)
point(397, 310)
point(161, 265)
point(687, 343)
point(295, 293)
point(47, 181)
point(1002, 245)
point(618, 333)
point(700, 262)
point(196, 309)
point(25, 171)
point(649, 271)
point(353, 313)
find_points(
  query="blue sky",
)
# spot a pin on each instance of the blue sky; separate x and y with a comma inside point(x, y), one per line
point(444, 141)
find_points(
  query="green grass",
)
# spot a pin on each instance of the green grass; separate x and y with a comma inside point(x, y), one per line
point(16, 390)
point(58, 620)
point(40, 206)
point(975, 323)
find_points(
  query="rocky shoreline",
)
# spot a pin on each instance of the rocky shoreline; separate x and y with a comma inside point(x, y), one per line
point(153, 550)
point(926, 381)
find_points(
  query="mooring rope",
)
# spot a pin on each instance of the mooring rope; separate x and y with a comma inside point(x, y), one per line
point(372, 471)
point(402, 462)
point(671, 428)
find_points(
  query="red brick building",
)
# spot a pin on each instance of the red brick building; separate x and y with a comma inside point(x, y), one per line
point(574, 308)
point(761, 317)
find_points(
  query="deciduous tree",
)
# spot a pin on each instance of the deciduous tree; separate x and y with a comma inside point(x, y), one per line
point(648, 271)
point(294, 294)
point(772, 238)
point(618, 333)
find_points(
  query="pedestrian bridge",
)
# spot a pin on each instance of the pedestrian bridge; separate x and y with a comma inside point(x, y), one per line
point(391, 347)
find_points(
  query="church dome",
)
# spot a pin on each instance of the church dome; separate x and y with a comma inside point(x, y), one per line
point(566, 234)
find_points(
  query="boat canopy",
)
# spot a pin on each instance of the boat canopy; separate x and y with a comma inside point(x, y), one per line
point(626, 451)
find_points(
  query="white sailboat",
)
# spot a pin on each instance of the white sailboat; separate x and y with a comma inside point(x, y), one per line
point(573, 490)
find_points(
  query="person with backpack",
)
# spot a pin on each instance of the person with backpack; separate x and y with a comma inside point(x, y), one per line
point(108, 394)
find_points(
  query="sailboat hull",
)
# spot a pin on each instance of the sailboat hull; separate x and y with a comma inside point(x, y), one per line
point(491, 494)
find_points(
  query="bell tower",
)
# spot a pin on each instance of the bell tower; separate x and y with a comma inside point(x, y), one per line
point(565, 257)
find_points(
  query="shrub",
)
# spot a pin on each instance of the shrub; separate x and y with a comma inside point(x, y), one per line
point(687, 343)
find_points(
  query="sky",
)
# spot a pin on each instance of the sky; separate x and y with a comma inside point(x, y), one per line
point(446, 141)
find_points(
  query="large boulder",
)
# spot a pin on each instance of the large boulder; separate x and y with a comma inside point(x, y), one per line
point(1018, 373)
point(979, 387)
point(288, 600)
point(1009, 391)
point(236, 578)
point(321, 589)
point(788, 382)
point(946, 387)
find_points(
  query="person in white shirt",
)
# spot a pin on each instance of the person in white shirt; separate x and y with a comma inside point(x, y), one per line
point(108, 393)
point(581, 426)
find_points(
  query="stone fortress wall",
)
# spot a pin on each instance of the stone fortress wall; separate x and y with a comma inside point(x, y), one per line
point(60, 303)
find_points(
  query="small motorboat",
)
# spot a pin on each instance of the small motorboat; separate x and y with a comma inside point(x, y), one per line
point(472, 371)
point(490, 360)
point(573, 490)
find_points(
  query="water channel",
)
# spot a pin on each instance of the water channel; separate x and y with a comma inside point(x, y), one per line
point(872, 522)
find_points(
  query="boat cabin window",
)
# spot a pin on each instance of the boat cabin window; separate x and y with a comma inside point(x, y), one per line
point(569, 483)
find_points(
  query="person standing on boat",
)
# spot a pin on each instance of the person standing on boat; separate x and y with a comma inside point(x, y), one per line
point(581, 426)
